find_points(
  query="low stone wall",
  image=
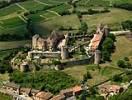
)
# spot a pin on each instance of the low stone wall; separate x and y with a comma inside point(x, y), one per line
point(45, 54)
point(120, 33)
point(78, 62)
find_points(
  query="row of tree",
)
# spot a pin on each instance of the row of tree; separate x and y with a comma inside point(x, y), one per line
point(108, 47)
point(127, 6)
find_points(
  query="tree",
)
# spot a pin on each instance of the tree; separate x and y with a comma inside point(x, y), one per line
point(84, 27)
point(108, 45)
point(126, 58)
point(79, 14)
point(30, 27)
point(121, 63)
point(106, 55)
point(117, 78)
point(127, 25)
point(112, 36)
point(83, 95)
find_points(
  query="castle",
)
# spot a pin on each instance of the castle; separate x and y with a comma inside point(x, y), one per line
point(54, 46)
point(58, 47)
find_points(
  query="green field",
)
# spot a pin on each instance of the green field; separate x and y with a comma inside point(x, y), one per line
point(49, 19)
point(102, 3)
point(61, 8)
point(42, 16)
point(65, 21)
point(52, 2)
point(32, 5)
point(12, 22)
point(123, 49)
point(13, 44)
point(113, 18)
point(98, 76)
point(9, 10)
point(5, 97)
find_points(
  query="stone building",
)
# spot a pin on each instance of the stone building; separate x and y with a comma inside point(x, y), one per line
point(55, 43)
point(43, 96)
point(97, 56)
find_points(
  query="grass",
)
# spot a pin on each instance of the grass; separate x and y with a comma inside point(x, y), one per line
point(61, 8)
point(32, 5)
point(5, 97)
point(113, 18)
point(77, 72)
point(42, 16)
point(65, 21)
point(90, 3)
point(12, 22)
point(4, 54)
point(123, 49)
point(119, 1)
point(98, 76)
point(4, 77)
point(103, 3)
point(53, 2)
point(13, 44)
point(9, 10)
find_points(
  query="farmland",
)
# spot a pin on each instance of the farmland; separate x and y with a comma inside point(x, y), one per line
point(47, 15)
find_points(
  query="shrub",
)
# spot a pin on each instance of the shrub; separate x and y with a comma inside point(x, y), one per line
point(121, 63)
point(117, 78)
point(126, 58)
point(126, 6)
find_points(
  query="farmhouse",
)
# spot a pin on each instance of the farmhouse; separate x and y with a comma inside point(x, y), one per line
point(108, 90)
point(58, 97)
point(12, 87)
point(43, 96)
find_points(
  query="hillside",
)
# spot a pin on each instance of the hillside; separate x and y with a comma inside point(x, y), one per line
point(47, 15)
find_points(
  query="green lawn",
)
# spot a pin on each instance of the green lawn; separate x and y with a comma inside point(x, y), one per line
point(113, 18)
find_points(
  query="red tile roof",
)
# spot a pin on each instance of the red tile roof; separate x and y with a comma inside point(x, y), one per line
point(44, 95)
point(58, 97)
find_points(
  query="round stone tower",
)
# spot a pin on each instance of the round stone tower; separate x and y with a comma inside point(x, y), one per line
point(64, 52)
point(97, 56)
point(106, 30)
point(34, 41)
point(24, 67)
